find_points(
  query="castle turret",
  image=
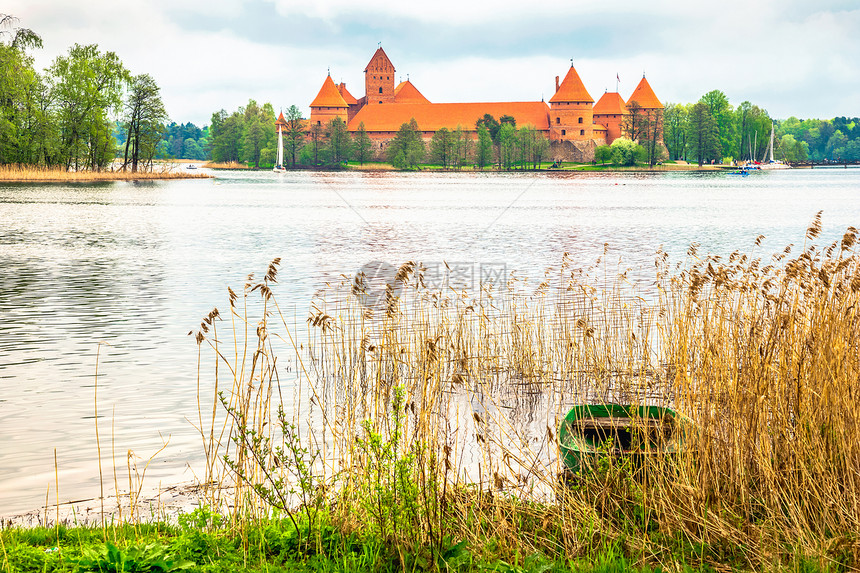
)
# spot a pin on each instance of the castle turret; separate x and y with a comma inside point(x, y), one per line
point(379, 79)
point(609, 112)
point(328, 104)
point(571, 116)
point(644, 103)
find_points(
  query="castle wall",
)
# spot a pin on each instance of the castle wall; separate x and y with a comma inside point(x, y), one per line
point(323, 115)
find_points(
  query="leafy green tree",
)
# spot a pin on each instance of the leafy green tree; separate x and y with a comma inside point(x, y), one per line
point(144, 123)
point(462, 146)
point(363, 145)
point(294, 138)
point(507, 145)
point(258, 131)
point(493, 126)
point(633, 122)
point(226, 134)
point(443, 148)
point(623, 152)
point(86, 85)
point(603, 154)
point(675, 130)
point(406, 150)
point(789, 149)
point(835, 148)
point(723, 114)
point(484, 151)
point(702, 133)
point(339, 142)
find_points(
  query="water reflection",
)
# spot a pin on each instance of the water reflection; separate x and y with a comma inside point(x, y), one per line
point(137, 265)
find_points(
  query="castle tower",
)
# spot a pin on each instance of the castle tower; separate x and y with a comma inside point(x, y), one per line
point(609, 112)
point(328, 104)
point(571, 116)
point(379, 79)
point(644, 101)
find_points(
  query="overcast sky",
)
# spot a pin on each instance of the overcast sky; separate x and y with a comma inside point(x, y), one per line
point(791, 57)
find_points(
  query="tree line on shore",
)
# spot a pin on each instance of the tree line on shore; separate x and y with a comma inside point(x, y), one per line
point(713, 130)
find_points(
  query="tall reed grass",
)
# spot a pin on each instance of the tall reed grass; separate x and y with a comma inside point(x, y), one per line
point(429, 418)
point(31, 173)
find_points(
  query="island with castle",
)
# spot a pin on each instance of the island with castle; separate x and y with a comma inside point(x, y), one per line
point(573, 123)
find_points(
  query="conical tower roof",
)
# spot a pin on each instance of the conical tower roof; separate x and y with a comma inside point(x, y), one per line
point(405, 92)
point(610, 103)
point(644, 96)
point(380, 55)
point(571, 90)
point(329, 95)
point(281, 120)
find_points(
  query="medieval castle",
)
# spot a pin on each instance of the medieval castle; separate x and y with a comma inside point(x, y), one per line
point(572, 122)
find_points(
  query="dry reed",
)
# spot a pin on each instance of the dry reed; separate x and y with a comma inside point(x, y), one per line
point(761, 357)
point(37, 174)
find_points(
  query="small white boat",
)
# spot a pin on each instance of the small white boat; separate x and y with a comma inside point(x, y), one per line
point(191, 166)
point(771, 163)
point(279, 164)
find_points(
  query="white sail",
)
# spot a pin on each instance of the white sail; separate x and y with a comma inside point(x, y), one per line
point(279, 164)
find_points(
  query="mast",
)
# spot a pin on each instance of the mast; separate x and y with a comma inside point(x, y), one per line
point(770, 147)
point(280, 148)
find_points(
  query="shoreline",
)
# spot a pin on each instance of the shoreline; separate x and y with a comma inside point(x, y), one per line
point(34, 174)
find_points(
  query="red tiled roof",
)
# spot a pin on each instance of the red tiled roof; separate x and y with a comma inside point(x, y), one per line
point(347, 97)
point(644, 96)
point(329, 96)
point(281, 120)
point(610, 103)
point(435, 116)
point(598, 127)
point(571, 89)
point(405, 92)
point(379, 53)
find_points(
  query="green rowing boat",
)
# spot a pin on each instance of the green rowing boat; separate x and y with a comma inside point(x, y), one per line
point(588, 432)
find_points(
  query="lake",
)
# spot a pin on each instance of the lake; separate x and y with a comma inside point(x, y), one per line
point(123, 271)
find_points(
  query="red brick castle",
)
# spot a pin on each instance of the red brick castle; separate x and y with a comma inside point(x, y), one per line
point(572, 122)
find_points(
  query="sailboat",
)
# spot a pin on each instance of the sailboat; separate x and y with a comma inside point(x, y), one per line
point(279, 164)
point(771, 163)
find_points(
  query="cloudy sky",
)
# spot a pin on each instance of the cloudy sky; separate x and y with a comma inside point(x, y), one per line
point(791, 57)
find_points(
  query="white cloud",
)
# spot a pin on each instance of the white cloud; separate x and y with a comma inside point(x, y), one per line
point(788, 56)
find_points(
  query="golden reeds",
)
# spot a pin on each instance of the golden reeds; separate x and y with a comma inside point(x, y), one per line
point(225, 165)
point(36, 174)
point(451, 400)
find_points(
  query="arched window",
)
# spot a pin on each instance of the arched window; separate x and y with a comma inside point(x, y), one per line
point(380, 89)
point(557, 120)
point(580, 120)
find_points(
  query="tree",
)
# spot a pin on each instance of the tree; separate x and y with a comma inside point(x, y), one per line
point(624, 152)
point(226, 134)
point(602, 154)
point(443, 148)
point(406, 150)
point(702, 133)
point(145, 116)
point(484, 151)
point(507, 145)
point(675, 130)
point(722, 112)
point(86, 85)
point(363, 145)
point(294, 137)
point(339, 142)
point(632, 123)
point(255, 135)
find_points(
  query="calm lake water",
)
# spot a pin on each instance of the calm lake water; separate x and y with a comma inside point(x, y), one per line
point(136, 266)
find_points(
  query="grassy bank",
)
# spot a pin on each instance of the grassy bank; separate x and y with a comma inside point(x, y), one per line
point(411, 427)
point(33, 174)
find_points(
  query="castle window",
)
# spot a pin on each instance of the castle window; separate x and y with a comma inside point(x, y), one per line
point(581, 132)
point(380, 90)
point(319, 123)
point(557, 120)
point(564, 132)
point(580, 120)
